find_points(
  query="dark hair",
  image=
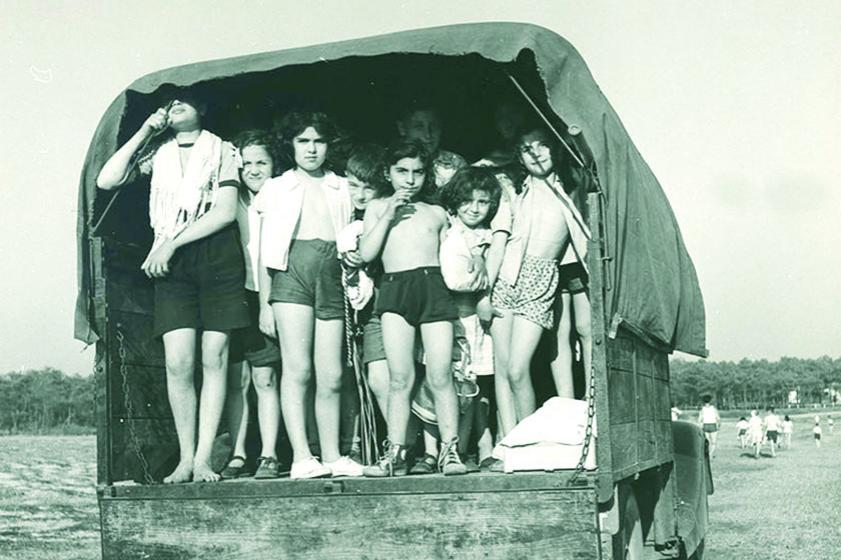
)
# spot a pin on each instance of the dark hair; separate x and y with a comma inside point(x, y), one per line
point(367, 163)
point(743, 418)
point(787, 418)
point(460, 190)
point(707, 399)
point(412, 149)
point(256, 137)
point(409, 106)
point(295, 123)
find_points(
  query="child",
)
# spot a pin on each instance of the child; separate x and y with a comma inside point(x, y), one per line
point(816, 431)
point(404, 230)
point(365, 181)
point(472, 198)
point(544, 223)
point(710, 422)
point(742, 432)
point(196, 264)
point(788, 429)
point(830, 422)
point(255, 355)
point(756, 431)
point(773, 428)
point(302, 211)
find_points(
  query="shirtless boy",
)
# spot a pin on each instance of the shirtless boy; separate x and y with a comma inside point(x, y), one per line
point(405, 231)
point(545, 222)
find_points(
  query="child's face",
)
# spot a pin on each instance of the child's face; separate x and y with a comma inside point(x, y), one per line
point(422, 126)
point(361, 193)
point(310, 149)
point(473, 213)
point(183, 114)
point(444, 171)
point(407, 175)
point(257, 166)
point(535, 152)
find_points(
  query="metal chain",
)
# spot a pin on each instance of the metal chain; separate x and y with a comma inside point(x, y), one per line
point(588, 432)
point(129, 406)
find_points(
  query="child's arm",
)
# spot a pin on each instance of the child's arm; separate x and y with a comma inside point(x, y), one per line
point(493, 262)
point(377, 223)
point(266, 321)
point(115, 171)
point(220, 215)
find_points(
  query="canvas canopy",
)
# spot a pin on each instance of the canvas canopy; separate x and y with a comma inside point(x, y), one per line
point(653, 288)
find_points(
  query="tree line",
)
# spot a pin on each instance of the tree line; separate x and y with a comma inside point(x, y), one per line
point(46, 400)
point(757, 383)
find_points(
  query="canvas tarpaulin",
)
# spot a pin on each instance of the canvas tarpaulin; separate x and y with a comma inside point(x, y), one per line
point(654, 288)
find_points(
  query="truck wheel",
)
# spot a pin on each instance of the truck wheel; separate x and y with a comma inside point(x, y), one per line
point(628, 541)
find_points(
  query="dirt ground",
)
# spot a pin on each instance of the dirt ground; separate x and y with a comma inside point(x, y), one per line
point(788, 507)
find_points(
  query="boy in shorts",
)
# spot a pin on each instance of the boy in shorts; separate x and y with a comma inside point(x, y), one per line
point(195, 262)
point(710, 422)
point(405, 231)
point(302, 212)
point(544, 224)
point(773, 427)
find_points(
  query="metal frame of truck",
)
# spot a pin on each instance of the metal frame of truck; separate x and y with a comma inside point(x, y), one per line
point(647, 498)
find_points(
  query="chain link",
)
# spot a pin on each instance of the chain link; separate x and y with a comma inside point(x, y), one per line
point(588, 432)
point(129, 406)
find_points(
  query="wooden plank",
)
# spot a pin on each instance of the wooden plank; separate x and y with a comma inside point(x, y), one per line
point(621, 396)
point(620, 352)
point(135, 441)
point(136, 329)
point(284, 487)
point(646, 440)
point(509, 525)
point(144, 387)
point(623, 440)
point(102, 405)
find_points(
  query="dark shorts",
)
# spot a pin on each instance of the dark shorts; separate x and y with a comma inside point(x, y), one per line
point(743, 432)
point(817, 436)
point(418, 295)
point(772, 435)
point(572, 278)
point(710, 428)
point(373, 348)
point(205, 287)
point(250, 343)
point(313, 277)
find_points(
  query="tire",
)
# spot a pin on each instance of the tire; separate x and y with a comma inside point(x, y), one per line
point(628, 541)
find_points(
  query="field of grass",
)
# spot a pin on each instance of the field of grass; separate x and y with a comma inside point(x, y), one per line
point(783, 508)
point(47, 498)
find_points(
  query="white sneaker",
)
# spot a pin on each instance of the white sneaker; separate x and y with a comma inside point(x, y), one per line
point(309, 468)
point(344, 466)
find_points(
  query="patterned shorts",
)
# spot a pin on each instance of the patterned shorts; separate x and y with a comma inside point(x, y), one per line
point(533, 295)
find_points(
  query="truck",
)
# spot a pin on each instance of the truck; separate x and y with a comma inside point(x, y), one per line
point(646, 496)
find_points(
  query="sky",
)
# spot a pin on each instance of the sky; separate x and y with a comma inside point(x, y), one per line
point(736, 107)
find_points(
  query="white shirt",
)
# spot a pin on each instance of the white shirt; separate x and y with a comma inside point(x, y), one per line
point(709, 415)
point(459, 246)
point(279, 204)
point(248, 221)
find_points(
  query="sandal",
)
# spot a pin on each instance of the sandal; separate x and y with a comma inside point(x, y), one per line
point(268, 467)
point(231, 471)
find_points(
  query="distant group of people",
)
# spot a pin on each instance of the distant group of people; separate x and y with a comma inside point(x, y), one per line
point(753, 431)
point(268, 253)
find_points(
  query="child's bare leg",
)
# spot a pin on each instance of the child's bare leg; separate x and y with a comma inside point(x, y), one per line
point(501, 334)
point(438, 344)
point(268, 408)
point(179, 349)
point(214, 351)
point(430, 441)
point(236, 406)
point(328, 385)
point(525, 336)
point(295, 325)
point(561, 366)
point(581, 307)
point(399, 340)
point(378, 382)
point(482, 427)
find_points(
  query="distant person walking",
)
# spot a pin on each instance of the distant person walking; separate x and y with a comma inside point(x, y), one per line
point(830, 423)
point(816, 431)
point(755, 432)
point(710, 421)
point(742, 432)
point(773, 427)
point(788, 429)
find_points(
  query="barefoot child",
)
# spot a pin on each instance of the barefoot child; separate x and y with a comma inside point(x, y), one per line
point(545, 223)
point(302, 211)
point(742, 432)
point(196, 264)
point(405, 231)
point(255, 356)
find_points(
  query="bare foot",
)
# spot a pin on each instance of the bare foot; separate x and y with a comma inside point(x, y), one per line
point(182, 473)
point(203, 473)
